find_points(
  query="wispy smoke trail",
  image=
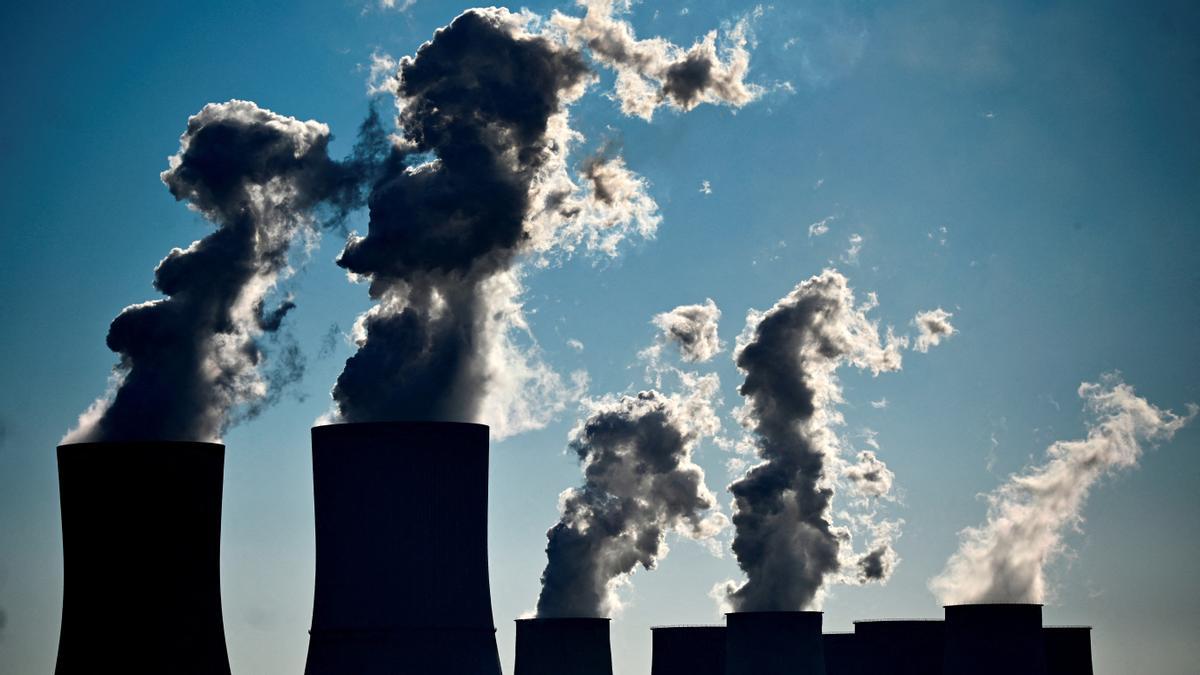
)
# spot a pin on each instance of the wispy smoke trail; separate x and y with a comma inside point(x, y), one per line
point(654, 72)
point(479, 184)
point(933, 326)
point(639, 484)
point(786, 540)
point(190, 360)
point(1005, 559)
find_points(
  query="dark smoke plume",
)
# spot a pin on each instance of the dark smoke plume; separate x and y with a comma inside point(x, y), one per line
point(639, 484)
point(786, 541)
point(189, 360)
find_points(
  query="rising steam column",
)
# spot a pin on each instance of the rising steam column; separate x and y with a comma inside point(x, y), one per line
point(401, 568)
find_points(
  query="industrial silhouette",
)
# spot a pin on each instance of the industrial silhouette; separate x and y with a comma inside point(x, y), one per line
point(141, 526)
point(994, 639)
point(401, 564)
point(688, 650)
point(402, 579)
point(557, 646)
point(773, 643)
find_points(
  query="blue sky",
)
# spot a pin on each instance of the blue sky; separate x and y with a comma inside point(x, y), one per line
point(1031, 167)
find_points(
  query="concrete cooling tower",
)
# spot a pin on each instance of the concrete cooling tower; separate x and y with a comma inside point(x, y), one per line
point(901, 647)
point(994, 639)
point(841, 654)
point(1068, 650)
point(563, 646)
point(141, 525)
point(774, 643)
point(688, 650)
point(401, 550)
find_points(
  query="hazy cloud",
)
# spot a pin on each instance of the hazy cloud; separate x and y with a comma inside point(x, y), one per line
point(933, 326)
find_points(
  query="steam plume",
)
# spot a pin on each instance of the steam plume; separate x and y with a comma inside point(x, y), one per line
point(1005, 559)
point(639, 484)
point(933, 326)
point(654, 72)
point(786, 541)
point(190, 359)
point(692, 329)
point(478, 185)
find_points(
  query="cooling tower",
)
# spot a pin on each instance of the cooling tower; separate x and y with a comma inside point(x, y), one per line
point(1068, 650)
point(141, 526)
point(569, 646)
point(688, 650)
point(774, 643)
point(841, 654)
point(901, 647)
point(401, 557)
point(994, 639)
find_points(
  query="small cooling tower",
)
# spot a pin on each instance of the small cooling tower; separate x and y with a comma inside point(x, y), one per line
point(841, 654)
point(901, 647)
point(994, 639)
point(1068, 650)
point(141, 525)
point(401, 556)
point(688, 650)
point(563, 646)
point(774, 643)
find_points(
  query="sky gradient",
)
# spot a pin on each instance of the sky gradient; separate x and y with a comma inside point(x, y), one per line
point(1031, 167)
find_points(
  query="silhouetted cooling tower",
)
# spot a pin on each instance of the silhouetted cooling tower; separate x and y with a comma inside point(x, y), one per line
point(901, 647)
point(141, 524)
point(994, 639)
point(568, 646)
point(841, 654)
point(401, 568)
point(774, 643)
point(688, 650)
point(1068, 650)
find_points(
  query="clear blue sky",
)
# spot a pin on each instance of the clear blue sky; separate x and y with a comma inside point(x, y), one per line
point(1054, 141)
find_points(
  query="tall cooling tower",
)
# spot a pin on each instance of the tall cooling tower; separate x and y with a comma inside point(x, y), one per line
point(994, 639)
point(568, 646)
point(401, 564)
point(841, 654)
point(688, 650)
point(141, 525)
point(901, 647)
point(1068, 650)
point(774, 643)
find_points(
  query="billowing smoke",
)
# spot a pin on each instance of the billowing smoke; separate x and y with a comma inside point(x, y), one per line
point(639, 484)
point(933, 326)
point(786, 540)
point(653, 72)
point(692, 329)
point(1005, 559)
point(478, 184)
point(191, 360)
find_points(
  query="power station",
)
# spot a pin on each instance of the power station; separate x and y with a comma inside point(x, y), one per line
point(402, 586)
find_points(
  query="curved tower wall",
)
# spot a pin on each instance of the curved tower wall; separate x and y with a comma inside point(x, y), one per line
point(401, 550)
point(841, 654)
point(1068, 650)
point(994, 639)
point(141, 524)
point(563, 646)
point(774, 643)
point(901, 647)
point(688, 650)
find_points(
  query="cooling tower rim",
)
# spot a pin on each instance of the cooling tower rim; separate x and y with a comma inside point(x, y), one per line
point(142, 444)
point(838, 632)
point(393, 424)
point(775, 612)
point(563, 619)
point(1067, 628)
point(993, 604)
point(900, 621)
point(689, 626)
